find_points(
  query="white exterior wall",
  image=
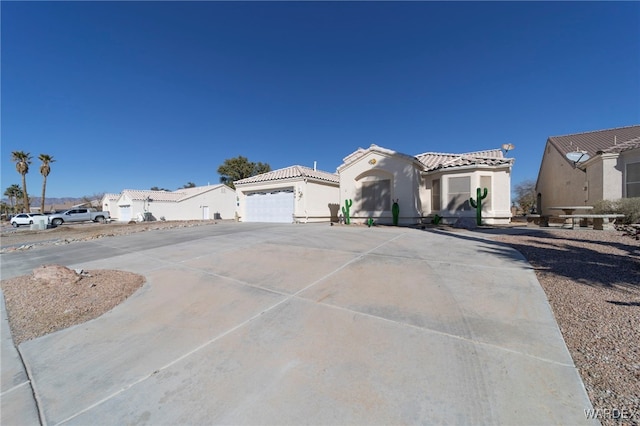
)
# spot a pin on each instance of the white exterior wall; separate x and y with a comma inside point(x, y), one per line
point(124, 200)
point(559, 183)
point(405, 186)
point(313, 200)
point(203, 206)
point(220, 200)
point(110, 204)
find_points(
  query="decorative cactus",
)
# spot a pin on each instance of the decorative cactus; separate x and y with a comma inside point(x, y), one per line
point(345, 211)
point(395, 211)
point(477, 204)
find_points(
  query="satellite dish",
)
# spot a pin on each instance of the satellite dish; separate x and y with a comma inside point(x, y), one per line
point(506, 147)
point(577, 156)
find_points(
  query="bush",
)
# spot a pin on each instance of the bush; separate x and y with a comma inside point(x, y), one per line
point(629, 207)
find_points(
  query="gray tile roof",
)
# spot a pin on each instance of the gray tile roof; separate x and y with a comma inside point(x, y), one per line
point(290, 173)
point(597, 141)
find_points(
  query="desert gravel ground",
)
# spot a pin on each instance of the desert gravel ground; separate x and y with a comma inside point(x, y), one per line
point(591, 279)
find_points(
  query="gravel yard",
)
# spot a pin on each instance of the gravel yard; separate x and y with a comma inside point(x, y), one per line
point(592, 281)
point(591, 278)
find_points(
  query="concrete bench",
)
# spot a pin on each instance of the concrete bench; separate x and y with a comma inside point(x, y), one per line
point(600, 221)
point(536, 219)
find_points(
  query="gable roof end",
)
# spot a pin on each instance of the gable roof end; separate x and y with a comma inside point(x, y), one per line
point(361, 152)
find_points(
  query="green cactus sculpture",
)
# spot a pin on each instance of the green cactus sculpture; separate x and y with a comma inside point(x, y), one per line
point(345, 211)
point(395, 211)
point(477, 204)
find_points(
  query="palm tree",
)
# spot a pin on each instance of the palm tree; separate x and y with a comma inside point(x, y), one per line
point(22, 160)
point(13, 192)
point(45, 169)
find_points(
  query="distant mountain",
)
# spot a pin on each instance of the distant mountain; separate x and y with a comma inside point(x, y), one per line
point(64, 200)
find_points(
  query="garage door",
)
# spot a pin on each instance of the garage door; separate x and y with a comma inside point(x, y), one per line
point(124, 214)
point(275, 206)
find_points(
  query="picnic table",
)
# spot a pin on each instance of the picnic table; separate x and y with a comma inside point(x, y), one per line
point(568, 213)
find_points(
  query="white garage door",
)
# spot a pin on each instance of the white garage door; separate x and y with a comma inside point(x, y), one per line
point(275, 206)
point(124, 214)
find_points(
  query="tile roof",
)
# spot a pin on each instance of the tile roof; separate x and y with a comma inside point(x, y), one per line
point(624, 146)
point(289, 173)
point(597, 141)
point(169, 196)
point(439, 160)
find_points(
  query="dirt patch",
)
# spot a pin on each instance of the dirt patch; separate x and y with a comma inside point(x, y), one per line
point(55, 297)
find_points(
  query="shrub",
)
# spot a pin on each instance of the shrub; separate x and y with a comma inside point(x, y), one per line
point(629, 207)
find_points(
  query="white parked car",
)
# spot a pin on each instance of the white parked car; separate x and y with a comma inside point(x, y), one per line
point(27, 219)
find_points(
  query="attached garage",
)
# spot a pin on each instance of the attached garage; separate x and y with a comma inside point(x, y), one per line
point(289, 195)
point(276, 206)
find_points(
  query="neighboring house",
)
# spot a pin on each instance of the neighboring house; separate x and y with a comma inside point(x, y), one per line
point(291, 194)
point(612, 170)
point(425, 185)
point(198, 203)
point(110, 204)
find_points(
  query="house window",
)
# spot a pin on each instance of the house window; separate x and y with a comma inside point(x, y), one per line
point(458, 196)
point(376, 195)
point(485, 182)
point(435, 195)
point(633, 180)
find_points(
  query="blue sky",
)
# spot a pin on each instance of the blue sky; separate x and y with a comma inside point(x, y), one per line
point(134, 95)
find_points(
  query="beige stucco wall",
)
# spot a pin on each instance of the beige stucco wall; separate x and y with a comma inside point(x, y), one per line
point(496, 208)
point(316, 201)
point(404, 176)
point(612, 177)
point(559, 183)
point(605, 175)
point(312, 197)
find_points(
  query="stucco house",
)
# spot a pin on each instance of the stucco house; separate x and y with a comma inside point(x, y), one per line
point(612, 170)
point(292, 194)
point(197, 203)
point(425, 185)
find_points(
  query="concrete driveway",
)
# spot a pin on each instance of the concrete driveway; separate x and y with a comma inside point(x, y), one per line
point(311, 324)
